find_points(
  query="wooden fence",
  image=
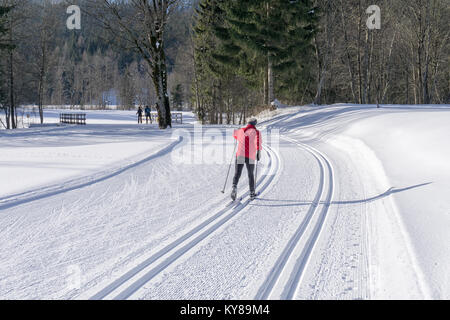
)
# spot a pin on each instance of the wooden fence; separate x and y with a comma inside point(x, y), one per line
point(73, 118)
point(177, 117)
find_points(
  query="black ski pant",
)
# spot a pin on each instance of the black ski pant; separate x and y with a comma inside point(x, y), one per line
point(250, 170)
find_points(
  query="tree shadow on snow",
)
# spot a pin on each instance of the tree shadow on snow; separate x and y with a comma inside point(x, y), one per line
point(297, 203)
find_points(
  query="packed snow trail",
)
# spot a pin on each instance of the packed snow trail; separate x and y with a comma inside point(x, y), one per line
point(292, 253)
point(138, 276)
point(96, 231)
point(263, 253)
point(289, 288)
point(327, 224)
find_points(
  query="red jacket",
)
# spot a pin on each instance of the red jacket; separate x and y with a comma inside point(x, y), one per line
point(249, 139)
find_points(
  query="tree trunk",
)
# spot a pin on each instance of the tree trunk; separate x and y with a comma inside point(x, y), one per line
point(427, 53)
point(266, 86)
point(198, 103)
point(368, 52)
point(12, 105)
point(8, 117)
point(270, 82)
point(347, 53)
point(407, 85)
point(220, 108)
point(359, 56)
point(159, 76)
point(41, 88)
point(318, 98)
point(320, 73)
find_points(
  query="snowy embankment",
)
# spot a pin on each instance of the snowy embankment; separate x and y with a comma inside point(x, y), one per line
point(414, 149)
point(42, 156)
point(404, 151)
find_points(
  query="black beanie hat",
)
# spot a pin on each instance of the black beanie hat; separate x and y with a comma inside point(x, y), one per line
point(253, 121)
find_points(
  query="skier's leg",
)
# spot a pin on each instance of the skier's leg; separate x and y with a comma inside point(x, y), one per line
point(237, 173)
point(237, 176)
point(251, 177)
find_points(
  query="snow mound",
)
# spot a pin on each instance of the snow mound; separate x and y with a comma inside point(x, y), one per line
point(277, 104)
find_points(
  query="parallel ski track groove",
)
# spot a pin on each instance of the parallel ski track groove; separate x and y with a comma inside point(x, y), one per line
point(229, 213)
point(294, 279)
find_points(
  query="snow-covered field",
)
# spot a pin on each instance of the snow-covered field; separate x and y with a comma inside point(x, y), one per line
point(353, 205)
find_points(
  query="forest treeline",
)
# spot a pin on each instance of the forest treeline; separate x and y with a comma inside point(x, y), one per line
point(225, 60)
point(320, 52)
point(44, 63)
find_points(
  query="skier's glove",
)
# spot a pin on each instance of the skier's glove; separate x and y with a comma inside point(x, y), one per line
point(258, 155)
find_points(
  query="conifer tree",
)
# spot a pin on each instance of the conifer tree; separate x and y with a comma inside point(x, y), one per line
point(3, 12)
point(210, 74)
point(6, 45)
point(177, 97)
point(264, 37)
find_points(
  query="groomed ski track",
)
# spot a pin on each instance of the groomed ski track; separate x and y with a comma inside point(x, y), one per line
point(137, 277)
point(293, 250)
point(133, 280)
point(275, 269)
point(285, 276)
point(306, 236)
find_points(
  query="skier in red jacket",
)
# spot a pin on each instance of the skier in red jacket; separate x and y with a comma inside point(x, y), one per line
point(249, 150)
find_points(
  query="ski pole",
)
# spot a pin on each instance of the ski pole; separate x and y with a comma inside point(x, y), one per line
point(229, 167)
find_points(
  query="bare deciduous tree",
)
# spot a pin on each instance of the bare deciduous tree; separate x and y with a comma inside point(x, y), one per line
point(140, 25)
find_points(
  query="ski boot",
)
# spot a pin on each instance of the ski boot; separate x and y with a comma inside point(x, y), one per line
point(234, 193)
point(253, 195)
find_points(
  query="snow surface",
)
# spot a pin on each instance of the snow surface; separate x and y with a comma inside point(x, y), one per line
point(353, 206)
